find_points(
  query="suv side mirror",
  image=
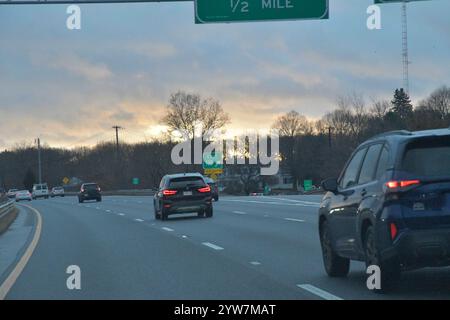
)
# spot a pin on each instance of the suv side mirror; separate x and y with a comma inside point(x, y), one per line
point(330, 185)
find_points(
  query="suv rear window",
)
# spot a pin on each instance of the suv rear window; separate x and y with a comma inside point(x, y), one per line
point(428, 157)
point(182, 182)
point(90, 186)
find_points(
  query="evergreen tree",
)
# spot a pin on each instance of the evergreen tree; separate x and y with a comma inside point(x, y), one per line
point(401, 104)
point(29, 180)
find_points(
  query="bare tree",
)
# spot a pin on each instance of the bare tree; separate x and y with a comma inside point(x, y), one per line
point(439, 101)
point(291, 126)
point(186, 112)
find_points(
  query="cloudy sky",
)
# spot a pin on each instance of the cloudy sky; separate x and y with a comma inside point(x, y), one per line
point(70, 87)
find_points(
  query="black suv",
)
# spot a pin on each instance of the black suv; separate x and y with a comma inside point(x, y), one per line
point(183, 193)
point(390, 206)
point(89, 191)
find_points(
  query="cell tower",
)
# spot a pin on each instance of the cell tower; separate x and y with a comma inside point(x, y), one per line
point(405, 53)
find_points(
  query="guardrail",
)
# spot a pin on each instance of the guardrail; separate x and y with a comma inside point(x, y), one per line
point(5, 208)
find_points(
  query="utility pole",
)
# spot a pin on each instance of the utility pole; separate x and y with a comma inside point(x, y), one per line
point(405, 53)
point(117, 139)
point(329, 137)
point(38, 141)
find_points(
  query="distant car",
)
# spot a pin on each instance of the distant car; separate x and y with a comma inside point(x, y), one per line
point(89, 191)
point(390, 207)
point(23, 195)
point(40, 191)
point(214, 188)
point(183, 193)
point(57, 192)
point(12, 193)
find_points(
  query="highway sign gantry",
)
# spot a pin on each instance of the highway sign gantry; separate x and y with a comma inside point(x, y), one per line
point(215, 11)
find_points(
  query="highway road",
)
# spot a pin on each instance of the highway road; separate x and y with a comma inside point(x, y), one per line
point(253, 248)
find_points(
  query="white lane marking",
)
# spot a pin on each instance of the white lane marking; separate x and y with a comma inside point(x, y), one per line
point(212, 246)
point(108, 210)
point(292, 219)
point(15, 273)
point(240, 212)
point(183, 236)
point(167, 229)
point(310, 204)
point(319, 292)
point(121, 214)
point(255, 263)
point(139, 220)
point(98, 208)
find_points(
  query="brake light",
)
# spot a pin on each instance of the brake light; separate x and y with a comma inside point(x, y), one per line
point(394, 231)
point(401, 184)
point(205, 189)
point(168, 192)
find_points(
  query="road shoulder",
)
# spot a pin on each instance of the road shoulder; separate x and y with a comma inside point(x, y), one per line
point(16, 246)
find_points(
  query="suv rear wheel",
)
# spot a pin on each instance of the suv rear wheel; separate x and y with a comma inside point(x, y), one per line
point(335, 266)
point(390, 269)
point(209, 212)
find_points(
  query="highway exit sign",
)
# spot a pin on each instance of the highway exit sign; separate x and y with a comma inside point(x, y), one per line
point(216, 11)
point(395, 1)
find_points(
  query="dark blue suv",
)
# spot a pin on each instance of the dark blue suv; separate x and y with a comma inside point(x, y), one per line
point(390, 206)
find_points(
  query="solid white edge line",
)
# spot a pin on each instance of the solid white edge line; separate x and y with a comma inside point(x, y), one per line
point(292, 219)
point(139, 220)
point(212, 245)
point(167, 229)
point(15, 273)
point(240, 212)
point(319, 292)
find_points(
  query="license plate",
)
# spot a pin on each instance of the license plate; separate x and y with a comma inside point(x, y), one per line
point(187, 193)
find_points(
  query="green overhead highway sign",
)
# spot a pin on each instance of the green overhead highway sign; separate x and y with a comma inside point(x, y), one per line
point(395, 1)
point(210, 11)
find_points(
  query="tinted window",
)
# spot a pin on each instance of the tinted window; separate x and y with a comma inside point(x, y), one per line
point(351, 173)
point(90, 186)
point(369, 164)
point(383, 163)
point(428, 157)
point(185, 182)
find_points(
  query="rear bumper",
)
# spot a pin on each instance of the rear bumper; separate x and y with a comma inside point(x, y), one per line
point(420, 248)
point(186, 206)
point(89, 196)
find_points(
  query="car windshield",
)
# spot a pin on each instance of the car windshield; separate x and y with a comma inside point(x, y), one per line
point(428, 157)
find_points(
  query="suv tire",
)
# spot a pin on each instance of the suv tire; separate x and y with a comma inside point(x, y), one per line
point(390, 269)
point(335, 266)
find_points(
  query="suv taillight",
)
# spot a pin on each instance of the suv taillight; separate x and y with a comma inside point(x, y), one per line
point(205, 189)
point(396, 185)
point(169, 192)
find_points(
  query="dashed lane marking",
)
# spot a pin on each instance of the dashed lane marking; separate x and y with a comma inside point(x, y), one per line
point(212, 246)
point(318, 292)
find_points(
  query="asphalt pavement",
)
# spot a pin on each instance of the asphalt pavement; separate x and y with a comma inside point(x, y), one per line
point(253, 248)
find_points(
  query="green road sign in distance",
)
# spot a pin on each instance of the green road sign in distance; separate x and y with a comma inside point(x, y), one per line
point(135, 181)
point(307, 185)
point(210, 11)
point(212, 161)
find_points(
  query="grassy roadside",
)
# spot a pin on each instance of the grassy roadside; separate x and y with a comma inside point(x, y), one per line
point(6, 220)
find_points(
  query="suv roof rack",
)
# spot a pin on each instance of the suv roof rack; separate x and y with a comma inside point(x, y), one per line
point(393, 133)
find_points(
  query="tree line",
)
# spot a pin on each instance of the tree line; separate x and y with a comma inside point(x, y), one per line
point(309, 149)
